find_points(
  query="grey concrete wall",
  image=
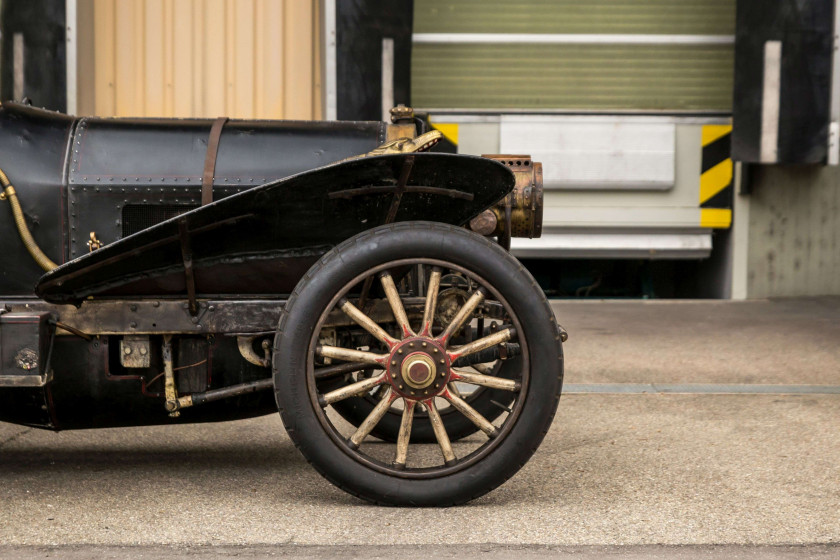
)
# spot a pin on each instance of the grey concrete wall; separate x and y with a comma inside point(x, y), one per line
point(794, 231)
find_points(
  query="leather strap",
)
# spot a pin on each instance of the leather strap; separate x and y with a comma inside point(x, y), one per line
point(210, 160)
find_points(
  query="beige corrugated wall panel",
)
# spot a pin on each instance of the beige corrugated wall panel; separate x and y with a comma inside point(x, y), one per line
point(104, 64)
point(206, 58)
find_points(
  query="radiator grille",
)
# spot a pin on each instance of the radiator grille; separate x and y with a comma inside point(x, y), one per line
point(137, 217)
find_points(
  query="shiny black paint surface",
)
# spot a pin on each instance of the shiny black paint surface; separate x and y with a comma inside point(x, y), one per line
point(74, 175)
point(272, 218)
point(263, 240)
point(33, 148)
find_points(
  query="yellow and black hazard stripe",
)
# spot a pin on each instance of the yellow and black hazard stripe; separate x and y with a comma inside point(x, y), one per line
point(449, 143)
point(716, 177)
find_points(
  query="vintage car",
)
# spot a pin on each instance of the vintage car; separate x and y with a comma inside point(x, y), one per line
point(165, 271)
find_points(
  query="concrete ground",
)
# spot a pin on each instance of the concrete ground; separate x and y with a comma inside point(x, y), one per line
point(705, 473)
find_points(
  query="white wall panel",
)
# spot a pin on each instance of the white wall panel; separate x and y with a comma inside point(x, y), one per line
point(595, 152)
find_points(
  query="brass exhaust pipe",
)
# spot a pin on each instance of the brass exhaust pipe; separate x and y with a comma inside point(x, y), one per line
point(20, 221)
point(520, 213)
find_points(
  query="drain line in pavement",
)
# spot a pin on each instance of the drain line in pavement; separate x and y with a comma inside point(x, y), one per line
point(700, 389)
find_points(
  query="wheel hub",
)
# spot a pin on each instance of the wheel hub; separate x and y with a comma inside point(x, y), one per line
point(419, 368)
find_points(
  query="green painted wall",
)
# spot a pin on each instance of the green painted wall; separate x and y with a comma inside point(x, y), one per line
point(575, 77)
point(646, 77)
point(691, 17)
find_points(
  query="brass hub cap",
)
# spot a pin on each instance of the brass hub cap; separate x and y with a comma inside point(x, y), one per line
point(419, 368)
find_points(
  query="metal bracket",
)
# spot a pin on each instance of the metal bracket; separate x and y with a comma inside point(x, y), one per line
point(405, 173)
point(26, 380)
point(199, 313)
point(189, 275)
point(246, 348)
point(135, 352)
point(170, 391)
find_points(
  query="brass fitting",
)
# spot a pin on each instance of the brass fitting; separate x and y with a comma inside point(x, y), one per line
point(5, 181)
point(520, 213)
point(402, 124)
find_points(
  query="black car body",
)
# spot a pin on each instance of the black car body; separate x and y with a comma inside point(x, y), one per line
point(164, 302)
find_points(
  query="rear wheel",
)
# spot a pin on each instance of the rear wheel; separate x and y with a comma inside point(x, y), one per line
point(419, 371)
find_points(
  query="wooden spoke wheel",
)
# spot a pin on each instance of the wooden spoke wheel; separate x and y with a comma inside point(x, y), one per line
point(421, 367)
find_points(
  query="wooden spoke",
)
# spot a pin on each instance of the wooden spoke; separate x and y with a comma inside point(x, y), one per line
point(350, 355)
point(462, 316)
point(482, 343)
point(417, 366)
point(431, 302)
point(373, 419)
point(454, 390)
point(353, 389)
point(366, 322)
point(472, 414)
point(396, 303)
point(404, 434)
point(440, 433)
point(486, 380)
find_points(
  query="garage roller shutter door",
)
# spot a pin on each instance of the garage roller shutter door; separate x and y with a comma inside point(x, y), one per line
point(658, 55)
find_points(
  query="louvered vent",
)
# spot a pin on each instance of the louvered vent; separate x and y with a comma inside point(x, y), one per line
point(137, 217)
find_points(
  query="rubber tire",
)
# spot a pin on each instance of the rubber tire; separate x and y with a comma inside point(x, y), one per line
point(362, 253)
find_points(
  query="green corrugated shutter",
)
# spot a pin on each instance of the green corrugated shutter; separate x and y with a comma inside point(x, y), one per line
point(670, 77)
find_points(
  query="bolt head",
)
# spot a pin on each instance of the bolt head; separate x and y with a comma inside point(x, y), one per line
point(399, 351)
point(411, 345)
point(401, 386)
point(434, 351)
point(393, 362)
point(423, 344)
point(127, 350)
point(442, 361)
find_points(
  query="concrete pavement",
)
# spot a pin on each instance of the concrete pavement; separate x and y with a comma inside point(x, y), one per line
point(616, 470)
point(443, 552)
point(787, 341)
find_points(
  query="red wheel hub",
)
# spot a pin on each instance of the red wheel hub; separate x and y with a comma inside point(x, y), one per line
point(418, 368)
